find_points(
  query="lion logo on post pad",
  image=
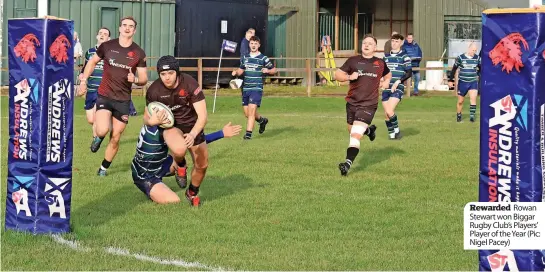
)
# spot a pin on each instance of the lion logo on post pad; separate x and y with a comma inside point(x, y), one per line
point(26, 48)
point(59, 49)
point(508, 52)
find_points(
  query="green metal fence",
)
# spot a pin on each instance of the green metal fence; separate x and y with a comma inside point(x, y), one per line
point(346, 30)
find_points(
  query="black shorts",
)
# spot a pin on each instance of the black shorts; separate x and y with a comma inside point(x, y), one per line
point(360, 113)
point(119, 109)
point(199, 139)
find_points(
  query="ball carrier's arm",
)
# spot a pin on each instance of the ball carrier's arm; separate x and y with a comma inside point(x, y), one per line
point(157, 118)
point(202, 118)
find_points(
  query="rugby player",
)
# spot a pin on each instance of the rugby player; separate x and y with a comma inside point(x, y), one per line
point(254, 65)
point(468, 80)
point(121, 59)
point(94, 80)
point(364, 73)
point(151, 162)
point(183, 95)
point(399, 64)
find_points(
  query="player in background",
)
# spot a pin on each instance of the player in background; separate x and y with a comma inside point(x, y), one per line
point(183, 95)
point(122, 58)
point(95, 78)
point(254, 65)
point(245, 42)
point(132, 109)
point(412, 48)
point(468, 80)
point(152, 162)
point(364, 73)
point(399, 64)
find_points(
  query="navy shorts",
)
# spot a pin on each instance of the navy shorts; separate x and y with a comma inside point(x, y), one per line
point(90, 100)
point(464, 87)
point(145, 184)
point(386, 94)
point(251, 97)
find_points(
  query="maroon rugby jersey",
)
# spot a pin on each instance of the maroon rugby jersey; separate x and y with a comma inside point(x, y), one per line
point(117, 61)
point(364, 90)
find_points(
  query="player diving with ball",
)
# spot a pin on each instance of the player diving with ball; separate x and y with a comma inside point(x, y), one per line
point(184, 97)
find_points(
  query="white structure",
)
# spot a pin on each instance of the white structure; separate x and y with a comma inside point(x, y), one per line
point(42, 8)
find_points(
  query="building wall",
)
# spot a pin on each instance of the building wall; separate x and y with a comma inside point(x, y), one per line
point(90, 15)
point(401, 11)
point(301, 30)
point(155, 34)
point(429, 21)
point(512, 3)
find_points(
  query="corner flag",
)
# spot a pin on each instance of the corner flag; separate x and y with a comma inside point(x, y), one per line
point(228, 46)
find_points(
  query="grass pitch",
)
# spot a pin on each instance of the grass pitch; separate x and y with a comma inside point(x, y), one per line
point(277, 202)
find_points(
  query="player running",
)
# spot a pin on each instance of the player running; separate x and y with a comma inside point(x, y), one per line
point(399, 64)
point(253, 66)
point(364, 73)
point(94, 80)
point(468, 80)
point(183, 95)
point(121, 59)
point(151, 162)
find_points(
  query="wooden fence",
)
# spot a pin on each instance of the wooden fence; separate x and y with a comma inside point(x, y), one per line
point(309, 71)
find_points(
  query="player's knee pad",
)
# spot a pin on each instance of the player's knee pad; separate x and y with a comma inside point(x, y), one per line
point(356, 133)
point(358, 129)
point(354, 142)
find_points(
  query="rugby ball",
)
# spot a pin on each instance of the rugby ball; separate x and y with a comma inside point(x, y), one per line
point(235, 83)
point(158, 106)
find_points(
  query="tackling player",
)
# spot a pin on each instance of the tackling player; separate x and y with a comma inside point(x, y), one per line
point(122, 57)
point(364, 73)
point(253, 66)
point(151, 162)
point(468, 80)
point(399, 64)
point(183, 95)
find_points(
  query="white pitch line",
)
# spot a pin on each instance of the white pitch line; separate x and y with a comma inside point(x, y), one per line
point(71, 244)
point(123, 252)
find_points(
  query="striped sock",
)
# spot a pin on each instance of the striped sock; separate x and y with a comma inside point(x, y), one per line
point(395, 124)
point(390, 128)
point(472, 110)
